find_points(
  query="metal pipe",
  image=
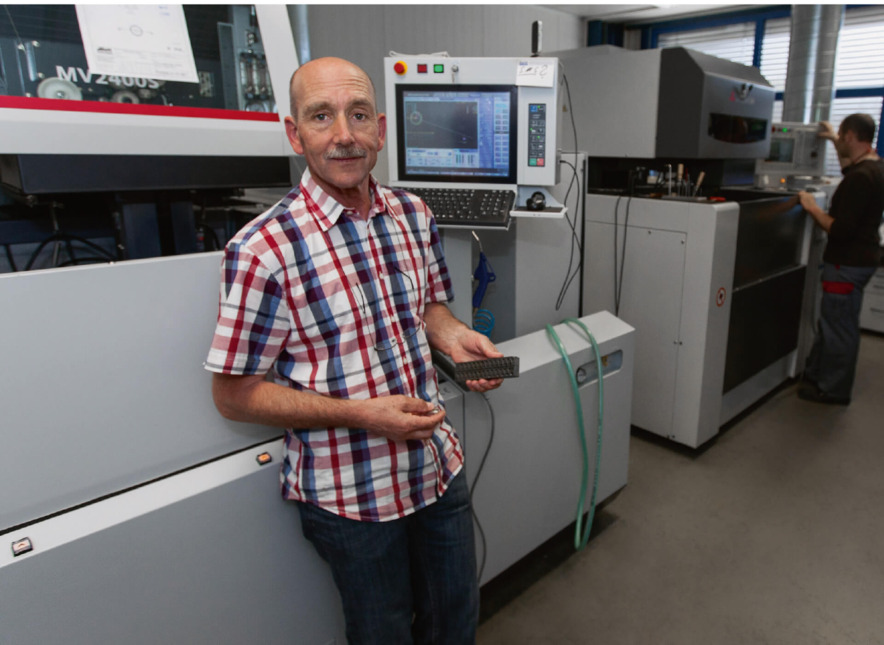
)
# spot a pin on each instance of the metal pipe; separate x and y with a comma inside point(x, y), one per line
point(803, 46)
point(810, 76)
point(302, 33)
point(831, 19)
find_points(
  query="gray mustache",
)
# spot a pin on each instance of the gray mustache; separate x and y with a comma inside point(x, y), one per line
point(346, 152)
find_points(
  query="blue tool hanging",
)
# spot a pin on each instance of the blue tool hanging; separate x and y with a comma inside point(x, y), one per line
point(483, 320)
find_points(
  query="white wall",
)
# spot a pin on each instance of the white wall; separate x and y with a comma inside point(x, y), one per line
point(365, 34)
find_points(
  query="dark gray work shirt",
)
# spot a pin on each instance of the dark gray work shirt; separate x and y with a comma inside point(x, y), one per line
point(857, 206)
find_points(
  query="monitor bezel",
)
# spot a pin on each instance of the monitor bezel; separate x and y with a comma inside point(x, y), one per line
point(456, 178)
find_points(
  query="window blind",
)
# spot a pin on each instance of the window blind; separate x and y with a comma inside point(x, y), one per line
point(859, 65)
point(775, 52)
point(860, 60)
point(733, 42)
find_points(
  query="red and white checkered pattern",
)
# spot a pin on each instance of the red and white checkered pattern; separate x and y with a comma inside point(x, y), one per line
point(333, 304)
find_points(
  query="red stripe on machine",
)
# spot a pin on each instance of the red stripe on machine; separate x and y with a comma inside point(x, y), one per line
point(102, 107)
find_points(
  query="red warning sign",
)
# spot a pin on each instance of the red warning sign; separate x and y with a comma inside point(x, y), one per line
point(721, 297)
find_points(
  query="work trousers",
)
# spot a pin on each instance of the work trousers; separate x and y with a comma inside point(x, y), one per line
point(409, 580)
point(832, 361)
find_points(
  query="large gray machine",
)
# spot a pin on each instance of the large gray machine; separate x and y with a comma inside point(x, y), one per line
point(720, 295)
point(132, 511)
point(716, 278)
point(661, 104)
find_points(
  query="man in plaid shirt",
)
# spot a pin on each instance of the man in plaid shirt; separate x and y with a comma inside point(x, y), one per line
point(338, 291)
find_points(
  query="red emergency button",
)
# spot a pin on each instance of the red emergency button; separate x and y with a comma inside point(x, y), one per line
point(400, 68)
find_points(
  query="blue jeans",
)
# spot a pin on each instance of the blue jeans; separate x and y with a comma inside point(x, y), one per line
point(831, 364)
point(411, 580)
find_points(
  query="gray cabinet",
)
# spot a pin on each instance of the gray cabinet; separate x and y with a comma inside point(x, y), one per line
point(872, 315)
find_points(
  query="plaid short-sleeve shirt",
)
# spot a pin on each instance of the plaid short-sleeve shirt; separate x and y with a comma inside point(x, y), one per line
point(333, 304)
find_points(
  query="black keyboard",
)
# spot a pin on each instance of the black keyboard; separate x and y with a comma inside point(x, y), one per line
point(468, 207)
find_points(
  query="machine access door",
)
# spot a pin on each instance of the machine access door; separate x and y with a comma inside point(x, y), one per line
point(650, 280)
point(210, 556)
point(103, 382)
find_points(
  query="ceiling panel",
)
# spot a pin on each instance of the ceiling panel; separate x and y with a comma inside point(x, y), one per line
point(643, 13)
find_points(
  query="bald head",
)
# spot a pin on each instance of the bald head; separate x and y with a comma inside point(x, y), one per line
point(335, 125)
point(320, 67)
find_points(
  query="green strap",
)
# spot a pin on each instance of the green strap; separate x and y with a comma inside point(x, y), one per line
point(581, 534)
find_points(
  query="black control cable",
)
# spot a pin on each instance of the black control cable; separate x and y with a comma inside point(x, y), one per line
point(475, 483)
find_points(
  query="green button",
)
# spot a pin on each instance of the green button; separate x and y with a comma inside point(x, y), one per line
point(532, 162)
point(439, 68)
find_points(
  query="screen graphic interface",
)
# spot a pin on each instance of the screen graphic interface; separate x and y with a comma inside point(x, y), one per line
point(457, 133)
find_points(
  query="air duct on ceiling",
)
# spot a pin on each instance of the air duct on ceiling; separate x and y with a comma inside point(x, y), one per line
point(810, 75)
point(831, 19)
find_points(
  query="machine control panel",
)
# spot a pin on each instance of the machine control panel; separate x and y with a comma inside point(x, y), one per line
point(796, 149)
point(537, 134)
point(471, 122)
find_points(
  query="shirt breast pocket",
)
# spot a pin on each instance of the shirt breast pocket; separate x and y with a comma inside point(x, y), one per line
point(406, 284)
point(338, 315)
